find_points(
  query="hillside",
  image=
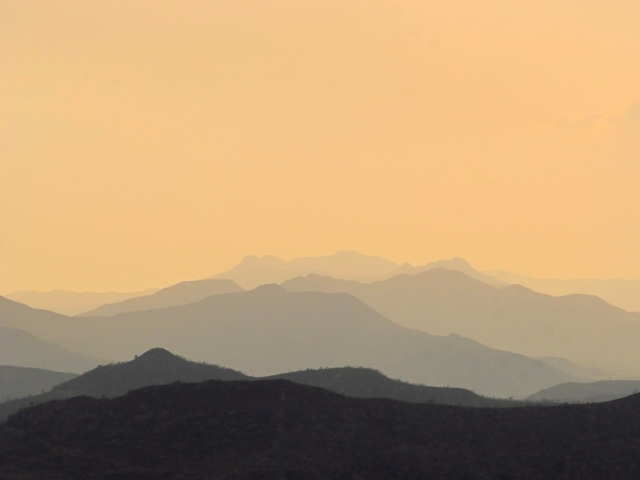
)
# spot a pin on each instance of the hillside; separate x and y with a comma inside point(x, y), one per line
point(269, 330)
point(602, 391)
point(19, 348)
point(180, 294)
point(17, 382)
point(367, 383)
point(155, 367)
point(583, 328)
point(277, 429)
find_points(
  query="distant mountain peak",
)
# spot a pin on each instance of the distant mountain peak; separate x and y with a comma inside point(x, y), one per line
point(157, 355)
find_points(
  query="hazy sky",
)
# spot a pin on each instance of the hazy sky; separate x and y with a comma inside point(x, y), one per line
point(147, 142)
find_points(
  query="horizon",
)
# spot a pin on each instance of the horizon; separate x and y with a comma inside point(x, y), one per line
point(150, 289)
point(147, 143)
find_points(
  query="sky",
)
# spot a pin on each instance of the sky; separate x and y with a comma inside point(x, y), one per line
point(145, 143)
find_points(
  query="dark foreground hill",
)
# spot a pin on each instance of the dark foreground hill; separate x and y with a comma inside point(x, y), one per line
point(368, 383)
point(20, 381)
point(155, 367)
point(160, 367)
point(602, 391)
point(281, 430)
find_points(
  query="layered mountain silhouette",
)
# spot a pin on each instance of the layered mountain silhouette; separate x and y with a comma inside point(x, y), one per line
point(19, 348)
point(269, 330)
point(582, 328)
point(71, 303)
point(277, 429)
point(17, 382)
point(155, 367)
point(180, 294)
point(254, 271)
point(623, 293)
point(602, 391)
point(346, 265)
point(160, 367)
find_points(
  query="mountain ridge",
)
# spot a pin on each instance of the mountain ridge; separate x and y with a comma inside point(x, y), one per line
point(601, 391)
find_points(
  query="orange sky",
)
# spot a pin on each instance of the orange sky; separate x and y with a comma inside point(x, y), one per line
point(143, 143)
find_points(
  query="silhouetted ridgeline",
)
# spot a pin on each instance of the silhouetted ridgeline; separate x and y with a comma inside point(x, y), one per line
point(160, 367)
point(155, 367)
point(276, 429)
point(458, 264)
point(367, 383)
point(602, 391)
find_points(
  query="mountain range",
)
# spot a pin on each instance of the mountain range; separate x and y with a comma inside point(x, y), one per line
point(347, 265)
point(583, 328)
point(269, 330)
point(602, 391)
point(253, 271)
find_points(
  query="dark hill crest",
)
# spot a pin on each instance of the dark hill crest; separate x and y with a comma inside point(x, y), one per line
point(158, 366)
point(275, 429)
